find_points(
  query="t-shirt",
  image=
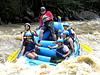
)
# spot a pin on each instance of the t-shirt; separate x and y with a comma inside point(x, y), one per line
point(65, 48)
point(49, 14)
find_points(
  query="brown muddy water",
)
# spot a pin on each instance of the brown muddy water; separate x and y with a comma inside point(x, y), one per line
point(88, 33)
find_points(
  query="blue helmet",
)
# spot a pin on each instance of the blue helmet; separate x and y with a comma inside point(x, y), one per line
point(67, 24)
point(28, 34)
point(66, 32)
point(60, 40)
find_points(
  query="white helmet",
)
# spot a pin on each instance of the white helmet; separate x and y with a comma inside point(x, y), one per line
point(27, 24)
point(43, 9)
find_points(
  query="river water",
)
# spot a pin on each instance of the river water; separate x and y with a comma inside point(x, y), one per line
point(88, 32)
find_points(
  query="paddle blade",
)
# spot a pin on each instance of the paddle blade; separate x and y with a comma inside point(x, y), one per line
point(13, 56)
point(86, 48)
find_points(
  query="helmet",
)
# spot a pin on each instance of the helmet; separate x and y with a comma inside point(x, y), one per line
point(67, 24)
point(60, 40)
point(28, 34)
point(43, 9)
point(27, 24)
point(66, 32)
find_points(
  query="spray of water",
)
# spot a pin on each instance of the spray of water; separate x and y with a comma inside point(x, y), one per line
point(84, 65)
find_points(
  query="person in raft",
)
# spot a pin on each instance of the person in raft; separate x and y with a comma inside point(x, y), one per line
point(68, 41)
point(29, 44)
point(62, 51)
point(67, 27)
point(46, 23)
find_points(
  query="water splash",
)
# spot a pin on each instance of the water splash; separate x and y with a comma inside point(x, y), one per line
point(89, 35)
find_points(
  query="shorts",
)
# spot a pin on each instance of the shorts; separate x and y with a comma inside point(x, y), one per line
point(49, 27)
point(56, 60)
point(27, 52)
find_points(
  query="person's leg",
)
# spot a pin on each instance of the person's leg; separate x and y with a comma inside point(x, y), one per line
point(53, 59)
point(53, 33)
point(54, 36)
point(32, 55)
point(52, 29)
point(56, 60)
point(35, 55)
point(41, 32)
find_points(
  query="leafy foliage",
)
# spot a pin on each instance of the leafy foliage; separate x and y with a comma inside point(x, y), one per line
point(13, 8)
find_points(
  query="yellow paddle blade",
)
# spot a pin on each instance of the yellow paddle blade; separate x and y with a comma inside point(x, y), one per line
point(86, 48)
point(13, 56)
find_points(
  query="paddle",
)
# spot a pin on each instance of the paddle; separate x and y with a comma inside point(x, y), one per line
point(86, 48)
point(14, 55)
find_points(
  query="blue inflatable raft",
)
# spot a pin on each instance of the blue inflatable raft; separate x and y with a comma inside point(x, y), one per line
point(45, 53)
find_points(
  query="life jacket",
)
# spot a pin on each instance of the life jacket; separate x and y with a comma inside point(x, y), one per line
point(29, 43)
point(60, 51)
point(29, 40)
point(67, 43)
point(31, 37)
point(70, 33)
point(30, 47)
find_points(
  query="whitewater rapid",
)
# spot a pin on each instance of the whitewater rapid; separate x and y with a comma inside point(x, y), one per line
point(88, 33)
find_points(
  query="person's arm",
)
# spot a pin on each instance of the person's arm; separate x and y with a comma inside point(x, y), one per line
point(74, 34)
point(66, 49)
point(51, 15)
point(67, 54)
point(52, 47)
point(40, 22)
point(71, 44)
point(35, 33)
point(39, 44)
point(23, 36)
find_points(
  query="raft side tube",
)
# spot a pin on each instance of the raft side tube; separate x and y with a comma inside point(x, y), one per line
point(33, 62)
point(47, 52)
point(58, 26)
point(77, 49)
point(47, 43)
point(44, 58)
point(46, 34)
